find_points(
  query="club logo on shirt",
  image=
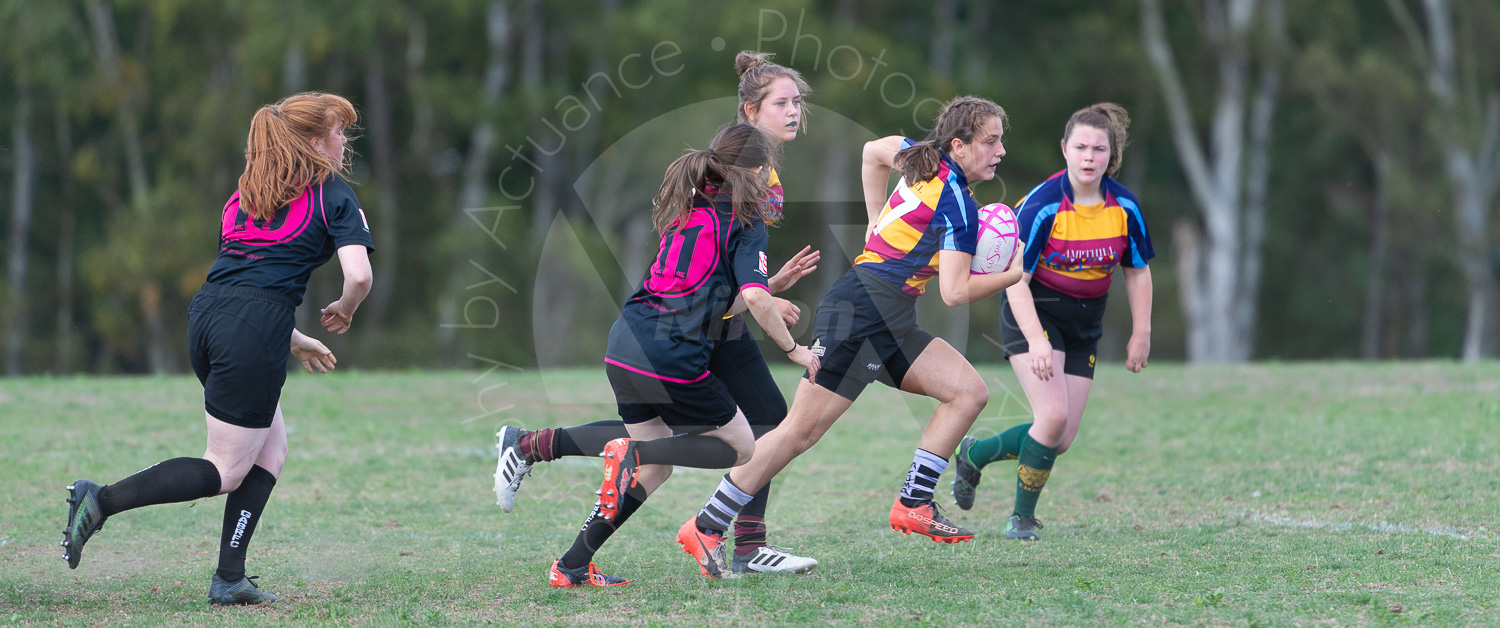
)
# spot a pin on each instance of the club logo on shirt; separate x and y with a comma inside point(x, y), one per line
point(817, 347)
point(763, 263)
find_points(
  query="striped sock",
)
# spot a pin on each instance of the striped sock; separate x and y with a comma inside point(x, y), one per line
point(922, 479)
point(723, 507)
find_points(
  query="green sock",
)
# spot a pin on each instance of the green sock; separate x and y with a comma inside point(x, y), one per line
point(1003, 446)
point(1031, 474)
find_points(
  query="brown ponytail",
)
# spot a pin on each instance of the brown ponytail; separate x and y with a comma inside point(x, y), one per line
point(280, 160)
point(1110, 118)
point(729, 166)
point(961, 118)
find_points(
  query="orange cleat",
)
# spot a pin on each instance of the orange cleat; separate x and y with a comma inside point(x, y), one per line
point(621, 463)
point(566, 578)
point(707, 548)
point(927, 521)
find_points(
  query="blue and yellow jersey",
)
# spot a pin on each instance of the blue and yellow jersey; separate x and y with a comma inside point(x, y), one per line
point(775, 199)
point(918, 221)
point(1074, 249)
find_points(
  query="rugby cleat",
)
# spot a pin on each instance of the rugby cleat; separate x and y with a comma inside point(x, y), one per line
point(1023, 528)
point(928, 521)
point(242, 592)
point(708, 549)
point(770, 559)
point(512, 467)
point(621, 463)
point(564, 578)
point(966, 475)
point(84, 519)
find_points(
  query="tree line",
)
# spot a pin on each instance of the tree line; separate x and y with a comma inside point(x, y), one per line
point(1320, 178)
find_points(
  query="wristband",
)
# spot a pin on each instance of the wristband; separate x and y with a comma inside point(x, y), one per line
point(794, 348)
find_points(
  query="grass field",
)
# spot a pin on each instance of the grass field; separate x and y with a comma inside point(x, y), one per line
point(1271, 495)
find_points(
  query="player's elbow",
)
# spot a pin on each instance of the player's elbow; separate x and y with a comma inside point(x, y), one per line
point(756, 296)
point(360, 278)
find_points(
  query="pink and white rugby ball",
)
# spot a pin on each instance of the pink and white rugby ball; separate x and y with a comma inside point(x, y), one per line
point(998, 238)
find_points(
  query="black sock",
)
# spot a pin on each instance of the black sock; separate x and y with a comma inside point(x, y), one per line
point(699, 452)
point(166, 482)
point(596, 531)
point(589, 439)
point(242, 511)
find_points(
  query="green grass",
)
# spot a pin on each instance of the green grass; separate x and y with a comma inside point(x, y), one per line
point(1272, 495)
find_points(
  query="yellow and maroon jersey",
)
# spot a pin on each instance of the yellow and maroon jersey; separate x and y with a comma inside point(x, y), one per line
point(1074, 249)
point(918, 221)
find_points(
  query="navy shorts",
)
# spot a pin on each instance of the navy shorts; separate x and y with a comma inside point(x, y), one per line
point(866, 331)
point(687, 407)
point(239, 341)
point(1073, 326)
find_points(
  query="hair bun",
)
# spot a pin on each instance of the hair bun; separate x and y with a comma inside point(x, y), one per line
point(747, 60)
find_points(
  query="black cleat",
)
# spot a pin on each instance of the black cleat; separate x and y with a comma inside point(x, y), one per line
point(1023, 527)
point(966, 475)
point(242, 592)
point(84, 519)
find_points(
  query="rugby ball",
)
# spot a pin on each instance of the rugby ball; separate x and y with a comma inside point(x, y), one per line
point(998, 238)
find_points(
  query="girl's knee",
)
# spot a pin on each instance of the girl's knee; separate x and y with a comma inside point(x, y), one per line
point(743, 452)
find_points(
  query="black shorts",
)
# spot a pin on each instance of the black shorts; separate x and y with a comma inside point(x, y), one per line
point(239, 341)
point(865, 331)
point(1073, 326)
point(686, 407)
point(738, 363)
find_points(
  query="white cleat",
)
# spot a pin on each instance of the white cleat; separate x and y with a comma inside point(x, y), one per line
point(511, 469)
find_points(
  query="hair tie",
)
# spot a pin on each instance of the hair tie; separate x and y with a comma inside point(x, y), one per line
point(711, 154)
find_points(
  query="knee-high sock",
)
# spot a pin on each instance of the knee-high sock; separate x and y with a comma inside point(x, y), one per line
point(1003, 446)
point(727, 502)
point(699, 452)
point(1031, 474)
point(596, 531)
point(750, 526)
point(242, 511)
point(588, 439)
point(166, 482)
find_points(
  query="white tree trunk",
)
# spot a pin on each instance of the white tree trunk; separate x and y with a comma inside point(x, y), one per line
point(1219, 265)
point(23, 186)
point(1474, 172)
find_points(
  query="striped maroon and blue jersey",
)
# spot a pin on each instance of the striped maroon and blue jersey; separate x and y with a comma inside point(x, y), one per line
point(704, 261)
point(918, 221)
point(1074, 249)
point(281, 253)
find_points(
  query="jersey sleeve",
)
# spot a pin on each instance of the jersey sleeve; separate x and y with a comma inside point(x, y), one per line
point(959, 216)
point(1138, 243)
point(345, 219)
point(747, 256)
point(1034, 228)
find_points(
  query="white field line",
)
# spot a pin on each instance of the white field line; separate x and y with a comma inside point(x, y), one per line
point(1336, 526)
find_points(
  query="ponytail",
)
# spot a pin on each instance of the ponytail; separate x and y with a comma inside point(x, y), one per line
point(961, 118)
point(724, 172)
point(280, 161)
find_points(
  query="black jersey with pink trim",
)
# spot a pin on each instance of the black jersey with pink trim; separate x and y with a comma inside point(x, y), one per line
point(704, 261)
point(280, 254)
